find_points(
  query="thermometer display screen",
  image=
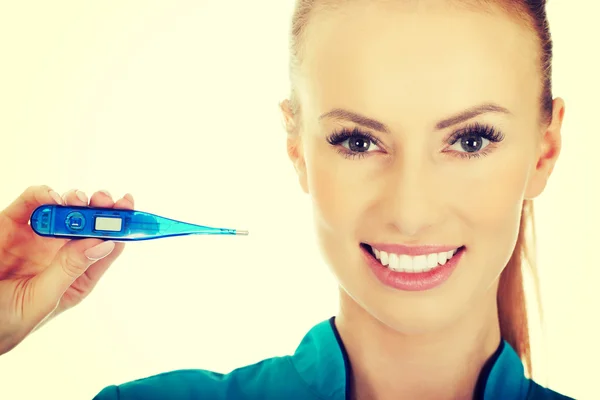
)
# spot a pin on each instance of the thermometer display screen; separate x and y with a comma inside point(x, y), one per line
point(108, 224)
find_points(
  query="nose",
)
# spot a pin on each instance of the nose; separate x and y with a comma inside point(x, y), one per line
point(411, 200)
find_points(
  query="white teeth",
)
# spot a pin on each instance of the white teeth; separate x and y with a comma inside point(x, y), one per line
point(406, 263)
point(432, 260)
point(422, 263)
point(442, 258)
point(384, 258)
point(394, 262)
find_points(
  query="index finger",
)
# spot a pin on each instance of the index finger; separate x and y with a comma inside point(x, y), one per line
point(34, 196)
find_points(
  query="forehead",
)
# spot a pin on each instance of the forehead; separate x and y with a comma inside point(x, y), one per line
point(397, 58)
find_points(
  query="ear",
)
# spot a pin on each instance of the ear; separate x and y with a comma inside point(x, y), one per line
point(549, 150)
point(294, 143)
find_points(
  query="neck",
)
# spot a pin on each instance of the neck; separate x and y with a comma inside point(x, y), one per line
point(387, 364)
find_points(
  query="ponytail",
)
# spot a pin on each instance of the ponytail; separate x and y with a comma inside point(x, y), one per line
point(512, 306)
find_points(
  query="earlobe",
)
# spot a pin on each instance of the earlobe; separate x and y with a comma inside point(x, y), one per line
point(549, 150)
point(294, 144)
point(294, 150)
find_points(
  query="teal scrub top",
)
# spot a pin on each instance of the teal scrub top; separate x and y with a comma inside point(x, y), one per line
point(319, 369)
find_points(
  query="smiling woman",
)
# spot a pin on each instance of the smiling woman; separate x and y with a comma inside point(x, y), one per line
point(422, 131)
point(413, 101)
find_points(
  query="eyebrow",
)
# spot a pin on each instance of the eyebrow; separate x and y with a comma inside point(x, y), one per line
point(471, 113)
point(339, 113)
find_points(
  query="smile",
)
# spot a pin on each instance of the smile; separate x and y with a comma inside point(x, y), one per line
point(407, 263)
point(412, 268)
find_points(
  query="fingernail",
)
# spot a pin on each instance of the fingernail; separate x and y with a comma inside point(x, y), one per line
point(106, 193)
point(66, 194)
point(81, 196)
point(129, 197)
point(56, 197)
point(100, 251)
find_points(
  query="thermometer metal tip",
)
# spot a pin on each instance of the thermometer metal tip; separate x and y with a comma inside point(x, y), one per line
point(245, 233)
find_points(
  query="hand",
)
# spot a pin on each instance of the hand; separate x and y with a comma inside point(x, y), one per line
point(42, 277)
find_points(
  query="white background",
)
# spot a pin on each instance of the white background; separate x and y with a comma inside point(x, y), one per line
point(176, 102)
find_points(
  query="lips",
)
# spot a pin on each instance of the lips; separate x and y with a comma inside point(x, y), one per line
point(415, 268)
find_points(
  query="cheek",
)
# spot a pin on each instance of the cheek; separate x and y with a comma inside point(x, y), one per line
point(494, 192)
point(335, 195)
point(341, 192)
point(487, 202)
point(489, 205)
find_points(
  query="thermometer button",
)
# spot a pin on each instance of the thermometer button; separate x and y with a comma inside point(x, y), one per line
point(75, 221)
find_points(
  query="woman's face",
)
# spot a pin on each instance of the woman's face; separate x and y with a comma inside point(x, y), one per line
point(420, 134)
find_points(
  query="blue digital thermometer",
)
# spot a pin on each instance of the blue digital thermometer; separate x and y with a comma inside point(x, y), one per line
point(74, 222)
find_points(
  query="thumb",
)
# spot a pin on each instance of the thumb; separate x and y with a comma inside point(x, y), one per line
point(72, 260)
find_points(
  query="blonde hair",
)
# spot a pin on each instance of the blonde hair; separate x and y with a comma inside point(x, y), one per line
point(512, 306)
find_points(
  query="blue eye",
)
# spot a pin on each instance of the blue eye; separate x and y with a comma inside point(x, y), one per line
point(358, 144)
point(474, 139)
point(472, 144)
point(354, 142)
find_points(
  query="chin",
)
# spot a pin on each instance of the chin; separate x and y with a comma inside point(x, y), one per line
point(410, 312)
point(410, 316)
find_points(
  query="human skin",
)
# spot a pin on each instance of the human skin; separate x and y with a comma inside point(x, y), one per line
point(410, 67)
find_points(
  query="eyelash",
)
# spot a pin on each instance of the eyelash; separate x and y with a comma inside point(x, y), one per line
point(339, 137)
point(474, 129)
point(477, 129)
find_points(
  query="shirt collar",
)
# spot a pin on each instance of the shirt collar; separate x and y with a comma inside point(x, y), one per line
point(322, 363)
point(505, 378)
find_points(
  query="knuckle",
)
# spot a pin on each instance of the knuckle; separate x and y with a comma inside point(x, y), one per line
point(29, 191)
point(72, 265)
point(33, 189)
point(33, 193)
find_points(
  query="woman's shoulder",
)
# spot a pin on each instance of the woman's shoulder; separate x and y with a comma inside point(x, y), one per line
point(316, 370)
point(538, 392)
point(269, 378)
